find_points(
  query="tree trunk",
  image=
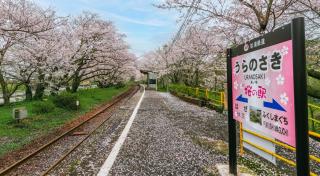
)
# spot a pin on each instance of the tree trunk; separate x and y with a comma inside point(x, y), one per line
point(28, 92)
point(6, 99)
point(39, 91)
point(5, 93)
point(197, 79)
point(40, 87)
point(102, 84)
point(75, 84)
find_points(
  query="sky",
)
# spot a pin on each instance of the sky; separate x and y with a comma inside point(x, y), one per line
point(146, 26)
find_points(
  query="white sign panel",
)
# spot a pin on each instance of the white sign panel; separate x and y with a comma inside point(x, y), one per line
point(260, 142)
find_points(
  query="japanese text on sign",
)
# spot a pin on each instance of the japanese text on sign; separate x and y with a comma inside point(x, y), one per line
point(263, 90)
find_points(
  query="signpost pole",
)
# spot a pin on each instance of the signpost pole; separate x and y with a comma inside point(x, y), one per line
point(231, 122)
point(301, 109)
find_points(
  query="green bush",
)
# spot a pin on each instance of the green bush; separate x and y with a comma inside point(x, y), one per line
point(119, 85)
point(42, 107)
point(66, 101)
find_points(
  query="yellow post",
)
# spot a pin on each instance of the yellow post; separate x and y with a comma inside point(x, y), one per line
point(207, 94)
point(222, 98)
point(197, 92)
point(225, 99)
point(241, 139)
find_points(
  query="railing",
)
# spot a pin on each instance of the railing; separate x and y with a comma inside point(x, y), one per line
point(314, 124)
point(217, 98)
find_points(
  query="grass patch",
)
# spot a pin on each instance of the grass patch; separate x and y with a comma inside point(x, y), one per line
point(162, 89)
point(254, 165)
point(14, 135)
point(73, 167)
point(244, 169)
point(213, 99)
point(216, 146)
point(43, 107)
point(213, 171)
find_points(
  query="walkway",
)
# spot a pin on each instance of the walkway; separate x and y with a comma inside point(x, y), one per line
point(160, 140)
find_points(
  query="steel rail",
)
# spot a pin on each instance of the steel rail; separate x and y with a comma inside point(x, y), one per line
point(80, 142)
point(106, 107)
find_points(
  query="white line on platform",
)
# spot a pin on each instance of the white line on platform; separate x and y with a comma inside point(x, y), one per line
point(107, 165)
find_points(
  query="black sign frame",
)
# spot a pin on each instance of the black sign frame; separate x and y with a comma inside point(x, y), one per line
point(296, 32)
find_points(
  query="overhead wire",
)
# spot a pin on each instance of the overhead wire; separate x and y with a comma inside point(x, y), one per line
point(190, 12)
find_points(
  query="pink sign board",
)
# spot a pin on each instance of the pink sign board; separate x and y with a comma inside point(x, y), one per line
point(263, 90)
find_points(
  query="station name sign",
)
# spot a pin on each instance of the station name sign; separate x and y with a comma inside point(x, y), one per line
point(263, 84)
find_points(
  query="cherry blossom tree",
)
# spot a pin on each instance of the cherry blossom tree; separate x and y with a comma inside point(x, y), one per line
point(191, 60)
point(253, 15)
point(96, 49)
point(40, 58)
point(19, 21)
point(42, 51)
point(18, 68)
point(234, 22)
point(310, 9)
point(122, 70)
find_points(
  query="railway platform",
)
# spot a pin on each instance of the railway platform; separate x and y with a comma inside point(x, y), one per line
point(162, 139)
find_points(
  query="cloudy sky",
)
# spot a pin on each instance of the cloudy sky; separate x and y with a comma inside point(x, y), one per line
point(146, 26)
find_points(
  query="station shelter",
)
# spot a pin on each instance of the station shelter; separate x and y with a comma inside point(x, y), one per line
point(151, 79)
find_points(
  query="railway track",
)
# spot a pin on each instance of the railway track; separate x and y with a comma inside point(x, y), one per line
point(77, 134)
